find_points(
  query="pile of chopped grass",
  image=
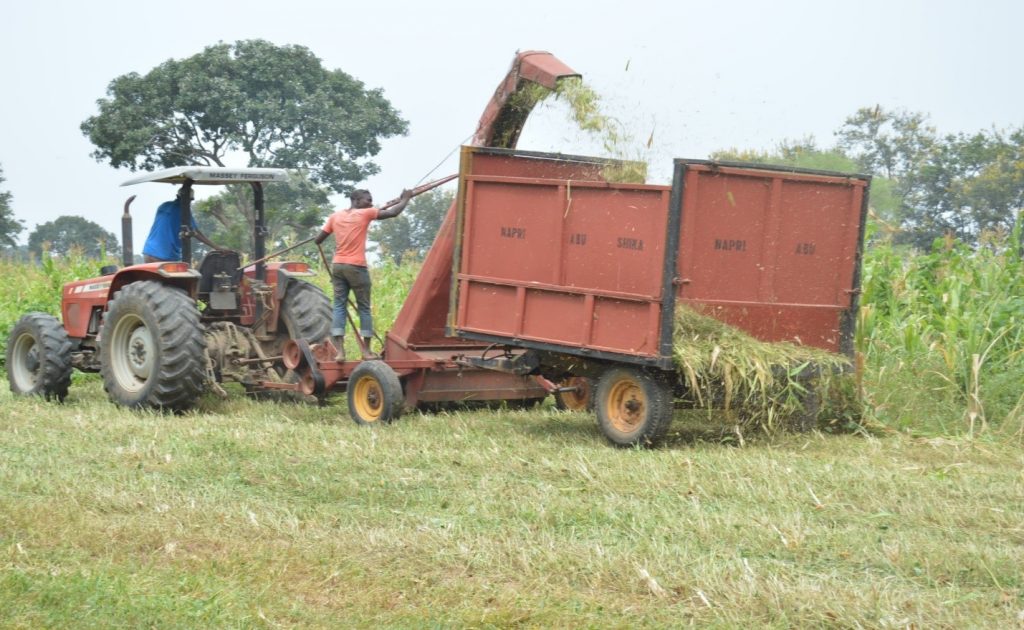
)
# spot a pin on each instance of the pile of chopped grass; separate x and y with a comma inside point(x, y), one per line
point(761, 384)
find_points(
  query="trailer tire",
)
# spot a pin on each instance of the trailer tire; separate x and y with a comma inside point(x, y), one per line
point(374, 393)
point(580, 400)
point(634, 407)
point(152, 348)
point(39, 357)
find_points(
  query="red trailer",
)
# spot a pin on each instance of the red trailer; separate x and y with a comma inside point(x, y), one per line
point(543, 273)
point(586, 275)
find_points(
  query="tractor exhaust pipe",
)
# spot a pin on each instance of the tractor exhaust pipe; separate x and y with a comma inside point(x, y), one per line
point(127, 255)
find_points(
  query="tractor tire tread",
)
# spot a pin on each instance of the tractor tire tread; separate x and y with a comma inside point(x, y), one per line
point(306, 311)
point(180, 376)
point(55, 368)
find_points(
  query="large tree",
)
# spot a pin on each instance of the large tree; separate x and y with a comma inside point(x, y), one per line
point(962, 185)
point(412, 232)
point(72, 232)
point(10, 227)
point(266, 104)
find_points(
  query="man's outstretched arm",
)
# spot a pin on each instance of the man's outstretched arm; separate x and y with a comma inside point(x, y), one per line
point(396, 209)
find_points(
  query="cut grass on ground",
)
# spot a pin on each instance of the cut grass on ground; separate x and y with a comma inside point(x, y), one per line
point(266, 515)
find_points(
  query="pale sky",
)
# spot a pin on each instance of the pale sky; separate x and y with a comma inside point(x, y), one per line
point(702, 75)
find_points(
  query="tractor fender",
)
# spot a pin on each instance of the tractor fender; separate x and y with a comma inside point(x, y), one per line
point(280, 275)
point(174, 274)
point(82, 301)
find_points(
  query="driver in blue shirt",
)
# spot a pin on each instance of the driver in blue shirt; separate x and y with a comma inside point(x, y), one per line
point(164, 240)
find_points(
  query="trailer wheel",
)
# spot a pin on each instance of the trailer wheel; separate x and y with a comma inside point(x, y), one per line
point(634, 407)
point(152, 348)
point(580, 400)
point(374, 393)
point(39, 357)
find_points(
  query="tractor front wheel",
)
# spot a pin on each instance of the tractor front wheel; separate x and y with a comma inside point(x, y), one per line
point(634, 406)
point(152, 348)
point(374, 393)
point(39, 357)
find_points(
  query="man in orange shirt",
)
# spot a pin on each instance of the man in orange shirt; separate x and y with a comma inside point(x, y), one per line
point(348, 266)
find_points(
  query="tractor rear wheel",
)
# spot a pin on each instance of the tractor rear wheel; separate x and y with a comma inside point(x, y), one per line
point(305, 313)
point(152, 348)
point(634, 407)
point(580, 400)
point(374, 393)
point(39, 357)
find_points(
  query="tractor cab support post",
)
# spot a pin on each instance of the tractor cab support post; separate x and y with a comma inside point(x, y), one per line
point(260, 232)
point(185, 202)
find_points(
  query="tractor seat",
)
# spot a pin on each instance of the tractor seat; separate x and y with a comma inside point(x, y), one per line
point(216, 263)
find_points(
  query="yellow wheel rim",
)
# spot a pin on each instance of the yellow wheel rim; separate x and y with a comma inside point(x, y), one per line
point(368, 399)
point(626, 406)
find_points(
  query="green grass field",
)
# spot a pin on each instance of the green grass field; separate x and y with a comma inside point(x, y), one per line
point(246, 514)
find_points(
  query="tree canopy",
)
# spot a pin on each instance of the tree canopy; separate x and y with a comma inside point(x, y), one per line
point(255, 101)
point(961, 185)
point(411, 233)
point(10, 227)
point(68, 232)
point(925, 185)
point(277, 105)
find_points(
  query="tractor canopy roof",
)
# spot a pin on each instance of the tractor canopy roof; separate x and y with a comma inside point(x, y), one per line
point(211, 175)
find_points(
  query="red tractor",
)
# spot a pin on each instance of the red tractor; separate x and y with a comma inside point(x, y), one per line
point(163, 333)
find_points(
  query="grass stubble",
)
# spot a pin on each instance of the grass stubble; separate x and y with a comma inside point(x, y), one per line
point(267, 515)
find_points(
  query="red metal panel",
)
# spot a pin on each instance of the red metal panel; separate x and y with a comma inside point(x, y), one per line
point(566, 251)
point(476, 385)
point(723, 236)
point(813, 264)
point(489, 308)
point(515, 165)
point(615, 239)
point(625, 326)
point(509, 226)
point(565, 327)
point(809, 325)
point(773, 253)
